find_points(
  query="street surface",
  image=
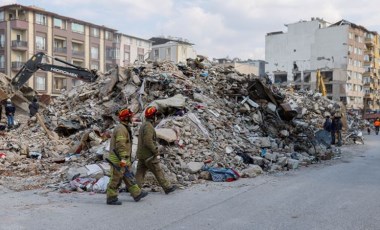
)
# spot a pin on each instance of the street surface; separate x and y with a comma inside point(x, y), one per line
point(338, 194)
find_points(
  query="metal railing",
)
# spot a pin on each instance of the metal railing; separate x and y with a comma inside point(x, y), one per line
point(17, 64)
point(60, 49)
point(19, 43)
point(78, 53)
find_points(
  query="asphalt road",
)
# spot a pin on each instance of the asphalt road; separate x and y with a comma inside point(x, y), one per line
point(339, 194)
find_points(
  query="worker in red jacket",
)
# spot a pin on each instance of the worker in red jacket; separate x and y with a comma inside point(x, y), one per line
point(377, 125)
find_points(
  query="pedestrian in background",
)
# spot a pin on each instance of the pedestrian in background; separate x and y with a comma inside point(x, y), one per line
point(10, 110)
point(377, 125)
point(33, 107)
point(336, 130)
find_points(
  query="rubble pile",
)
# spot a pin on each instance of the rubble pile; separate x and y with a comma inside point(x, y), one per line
point(209, 115)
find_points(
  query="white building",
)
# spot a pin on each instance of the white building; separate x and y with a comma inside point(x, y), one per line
point(336, 49)
point(131, 49)
point(172, 49)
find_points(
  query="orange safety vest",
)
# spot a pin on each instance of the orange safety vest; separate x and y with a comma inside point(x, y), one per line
point(377, 123)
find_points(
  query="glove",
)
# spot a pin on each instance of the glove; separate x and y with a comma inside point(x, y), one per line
point(123, 163)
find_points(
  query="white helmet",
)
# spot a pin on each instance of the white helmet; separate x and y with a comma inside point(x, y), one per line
point(8, 100)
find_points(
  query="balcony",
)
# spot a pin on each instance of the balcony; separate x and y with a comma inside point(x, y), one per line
point(16, 65)
point(369, 52)
point(368, 84)
point(62, 50)
point(19, 45)
point(78, 53)
point(369, 41)
point(369, 96)
point(19, 24)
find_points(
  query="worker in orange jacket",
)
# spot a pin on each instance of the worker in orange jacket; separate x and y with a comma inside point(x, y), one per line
point(377, 125)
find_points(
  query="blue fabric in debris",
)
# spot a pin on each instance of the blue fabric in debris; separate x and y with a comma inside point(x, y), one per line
point(221, 174)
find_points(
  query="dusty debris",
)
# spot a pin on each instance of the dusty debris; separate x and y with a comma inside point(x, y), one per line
point(209, 115)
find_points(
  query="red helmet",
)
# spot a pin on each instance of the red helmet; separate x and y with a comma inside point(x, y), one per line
point(150, 111)
point(124, 114)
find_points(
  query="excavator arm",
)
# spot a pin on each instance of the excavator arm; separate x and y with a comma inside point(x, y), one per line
point(321, 84)
point(35, 63)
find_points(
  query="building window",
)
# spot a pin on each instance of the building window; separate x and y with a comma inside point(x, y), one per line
point(109, 36)
point(2, 40)
point(59, 23)
point(78, 28)
point(2, 61)
point(40, 43)
point(168, 52)
point(95, 32)
point(127, 57)
point(41, 19)
point(59, 84)
point(40, 83)
point(156, 54)
point(94, 53)
point(1, 15)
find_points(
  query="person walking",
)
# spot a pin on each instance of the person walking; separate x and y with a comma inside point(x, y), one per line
point(336, 130)
point(10, 110)
point(120, 161)
point(327, 124)
point(33, 107)
point(148, 154)
point(377, 125)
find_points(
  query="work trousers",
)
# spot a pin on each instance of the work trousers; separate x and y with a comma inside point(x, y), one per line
point(115, 181)
point(10, 120)
point(154, 166)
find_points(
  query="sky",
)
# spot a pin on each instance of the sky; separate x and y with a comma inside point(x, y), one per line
point(218, 28)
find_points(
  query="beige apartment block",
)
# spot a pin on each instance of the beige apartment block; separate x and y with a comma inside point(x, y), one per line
point(172, 49)
point(346, 54)
point(131, 50)
point(26, 30)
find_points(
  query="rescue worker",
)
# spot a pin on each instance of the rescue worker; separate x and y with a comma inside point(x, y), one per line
point(147, 152)
point(120, 156)
point(336, 130)
point(377, 125)
point(327, 124)
point(10, 110)
point(33, 107)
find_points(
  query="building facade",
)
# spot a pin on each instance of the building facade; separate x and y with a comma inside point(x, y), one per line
point(338, 50)
point(26, 30)
point(131, 49)
point(171, 49)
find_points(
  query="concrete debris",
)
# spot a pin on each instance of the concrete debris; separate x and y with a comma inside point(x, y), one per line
point(208, 115)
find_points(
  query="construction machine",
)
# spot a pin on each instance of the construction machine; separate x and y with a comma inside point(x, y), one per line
point(35, 63)
point(321, 87)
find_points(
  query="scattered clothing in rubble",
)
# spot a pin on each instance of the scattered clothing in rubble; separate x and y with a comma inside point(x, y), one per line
point(222, 174)
point(247, 159)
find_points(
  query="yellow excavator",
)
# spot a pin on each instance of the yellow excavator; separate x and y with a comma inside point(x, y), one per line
point(321, 87)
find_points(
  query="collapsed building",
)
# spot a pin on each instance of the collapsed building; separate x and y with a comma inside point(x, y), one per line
point(209, 116)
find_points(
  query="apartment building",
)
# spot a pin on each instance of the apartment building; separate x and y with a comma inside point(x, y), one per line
point(338, 50)
point(26, 30)
point(131, 49)
point(172, 49)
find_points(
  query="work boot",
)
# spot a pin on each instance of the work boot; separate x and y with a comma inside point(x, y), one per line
point(171, 189)
point(142, 195)
point(113, 201)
